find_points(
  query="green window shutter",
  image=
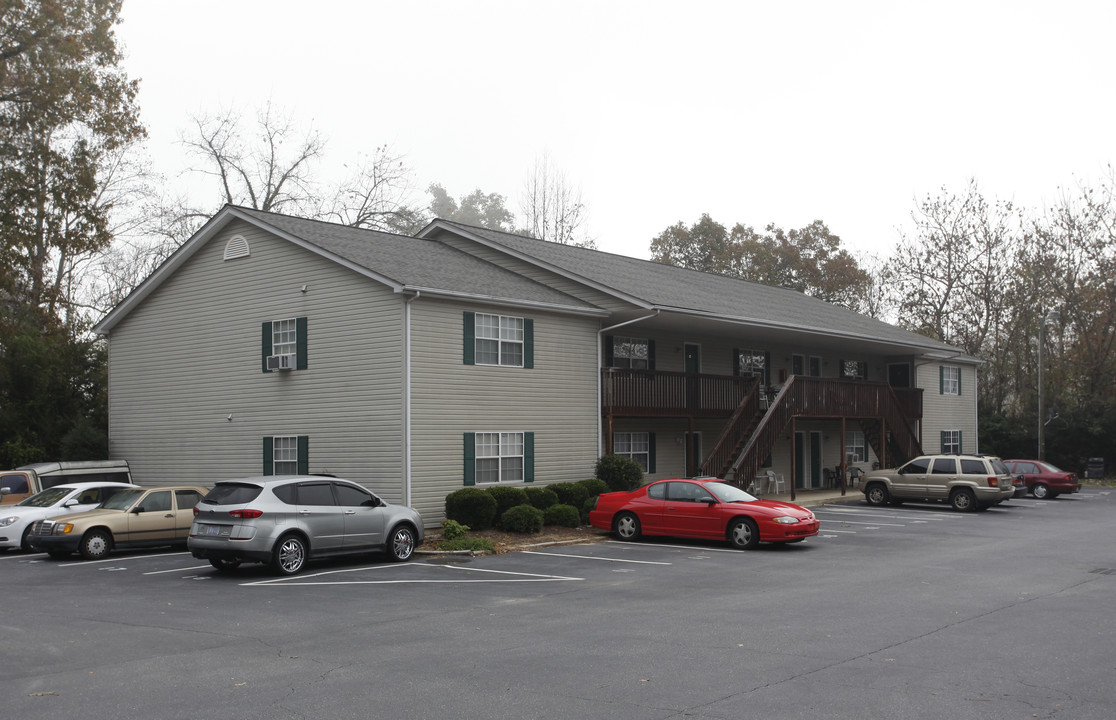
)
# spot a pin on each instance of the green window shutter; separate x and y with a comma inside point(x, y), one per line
point(469, 344)
point(610, 358)
point(864, 370)
point(470, 458)
point(942, 442)
point(767, 368)
point(528, 343)
point(960, 442)
point(303, 455)
point(528, 457)
point(650, 354)
point(941, 380)
point(265, 345)
point(958, 381)
point(650, 452)
point(268, 455)
point(300, 344)
point(736, 362)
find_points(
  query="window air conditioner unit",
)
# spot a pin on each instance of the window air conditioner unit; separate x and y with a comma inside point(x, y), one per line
point(281, 362)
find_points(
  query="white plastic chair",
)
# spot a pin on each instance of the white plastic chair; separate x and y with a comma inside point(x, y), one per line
point(776, 481)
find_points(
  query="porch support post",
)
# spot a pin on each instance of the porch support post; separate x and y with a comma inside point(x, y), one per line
point(608, 436)
point(794, 454)
point(844, 457)
point(883, 442)
point(692, 461)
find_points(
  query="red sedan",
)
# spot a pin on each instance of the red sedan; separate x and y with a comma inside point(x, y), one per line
point(701, 508)
point(1042, 479)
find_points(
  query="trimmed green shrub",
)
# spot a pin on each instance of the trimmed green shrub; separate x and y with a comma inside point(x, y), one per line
point(594, 486)
point(541, 497)
point(471, 506)
point(523, 519)
point(469, 543)
point(564, 515)
point(570, 493)
point(451, 530)
point(506, 498)
point(619, 472)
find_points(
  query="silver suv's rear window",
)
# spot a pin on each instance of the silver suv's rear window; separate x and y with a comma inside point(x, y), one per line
point(232, 494)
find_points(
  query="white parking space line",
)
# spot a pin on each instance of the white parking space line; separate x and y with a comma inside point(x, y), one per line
point(873, 524)
point(174, 570)
point(119, 559)
point(933, 514)
point(830, 530)
point(630, 544)
point(589, 557)
point(518, 577)
point(21, 556)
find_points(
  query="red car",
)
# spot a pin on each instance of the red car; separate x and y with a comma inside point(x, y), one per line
point(1042, 479)
point(701, 508)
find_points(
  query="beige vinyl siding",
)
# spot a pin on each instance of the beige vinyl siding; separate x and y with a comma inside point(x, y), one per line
point(190, 355)
point(557, 399)
point(947, 412)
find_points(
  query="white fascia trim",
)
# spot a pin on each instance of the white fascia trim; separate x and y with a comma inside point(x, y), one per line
point(213, 226)
point(495, 300)
point(531, 259)
point(756, 322)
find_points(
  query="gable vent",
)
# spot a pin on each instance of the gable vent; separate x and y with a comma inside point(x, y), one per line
point(237, 247)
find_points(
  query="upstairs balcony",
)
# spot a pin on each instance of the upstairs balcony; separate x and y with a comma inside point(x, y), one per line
point(653, 393)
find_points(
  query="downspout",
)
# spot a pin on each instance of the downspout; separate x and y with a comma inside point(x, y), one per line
point(600, 367)
point(407, 398)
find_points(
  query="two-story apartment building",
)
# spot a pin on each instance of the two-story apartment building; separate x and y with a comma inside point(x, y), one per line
point(418, 365)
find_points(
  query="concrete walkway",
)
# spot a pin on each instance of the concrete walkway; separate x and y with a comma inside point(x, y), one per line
point(810, 498)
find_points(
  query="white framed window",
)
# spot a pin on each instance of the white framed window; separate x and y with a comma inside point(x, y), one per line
point(284, 336)
point(499, 340)
point(951, 442)
point(852, 369)
point(855, 449)
point(951, 380)
point(636, 445)
point(753, 363)
point(284, 455)
point(630, 352)
point(499, 457)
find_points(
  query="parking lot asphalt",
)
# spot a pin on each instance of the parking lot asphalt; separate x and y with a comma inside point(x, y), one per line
point(900, 612)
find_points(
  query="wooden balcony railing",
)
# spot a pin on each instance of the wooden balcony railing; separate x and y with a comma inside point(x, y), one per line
point(652, 393)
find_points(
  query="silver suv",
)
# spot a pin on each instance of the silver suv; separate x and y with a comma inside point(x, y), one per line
point(967, 482)
point(286, 520)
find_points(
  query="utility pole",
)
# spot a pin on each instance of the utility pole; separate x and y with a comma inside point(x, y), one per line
point(1051, 316)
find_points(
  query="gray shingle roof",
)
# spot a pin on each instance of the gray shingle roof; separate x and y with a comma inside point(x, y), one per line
point(670, 287)
point(415, 262)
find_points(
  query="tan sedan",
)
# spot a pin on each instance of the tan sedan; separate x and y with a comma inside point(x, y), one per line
point(139, 517)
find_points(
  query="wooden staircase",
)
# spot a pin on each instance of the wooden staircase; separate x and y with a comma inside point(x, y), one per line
point(752, 430)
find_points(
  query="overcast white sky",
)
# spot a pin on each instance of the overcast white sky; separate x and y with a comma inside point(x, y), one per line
point(753, 112)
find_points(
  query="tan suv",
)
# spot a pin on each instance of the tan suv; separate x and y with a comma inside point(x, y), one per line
point(967, 482)
point(134, 517)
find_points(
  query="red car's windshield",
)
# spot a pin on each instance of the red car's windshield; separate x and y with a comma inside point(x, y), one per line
point(728, 493)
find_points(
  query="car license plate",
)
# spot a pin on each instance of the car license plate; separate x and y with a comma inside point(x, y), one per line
point(212, 529)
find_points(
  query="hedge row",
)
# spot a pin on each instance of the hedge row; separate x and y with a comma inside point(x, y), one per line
point(526, 509)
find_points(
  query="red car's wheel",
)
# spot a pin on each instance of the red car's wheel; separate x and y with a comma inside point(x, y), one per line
point(1040, 491)
point(626, 526)
point(743, 533)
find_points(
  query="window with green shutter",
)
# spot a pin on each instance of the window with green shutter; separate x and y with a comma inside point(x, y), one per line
point(283, 345)
point(499, 457)
point(286, 455)
point(502, 340)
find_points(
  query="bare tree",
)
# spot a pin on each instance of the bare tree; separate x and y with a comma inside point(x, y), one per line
point(377, 195)
point(552, 208)
point(261, 172)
